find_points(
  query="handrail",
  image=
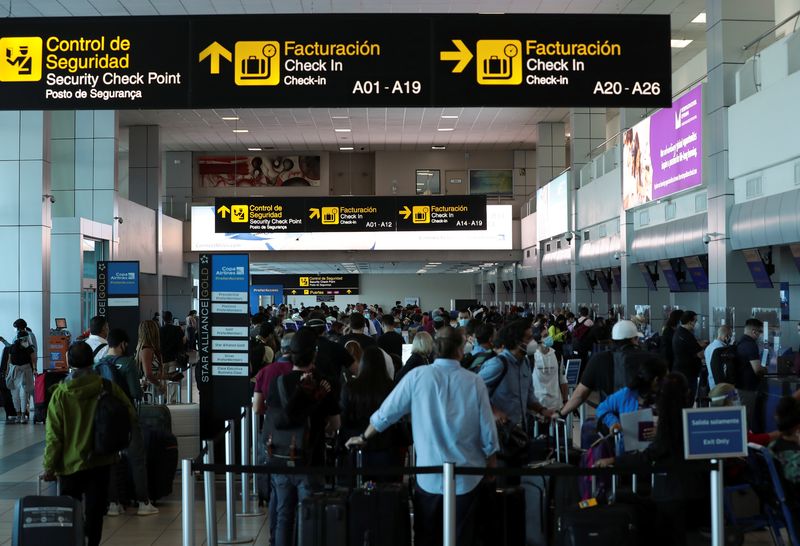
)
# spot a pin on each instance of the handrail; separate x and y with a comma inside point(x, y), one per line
point(770, 31)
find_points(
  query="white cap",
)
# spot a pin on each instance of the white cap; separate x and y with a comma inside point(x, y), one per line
point(532, 346)
point(624, 329)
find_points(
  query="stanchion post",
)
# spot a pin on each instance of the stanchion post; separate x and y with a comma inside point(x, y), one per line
point(210, 494)
point(189, 384)
point(717, 515)
point(254, 449)
point(187, 502)
point(230, 488)
point(248, 511)
point(449, 508)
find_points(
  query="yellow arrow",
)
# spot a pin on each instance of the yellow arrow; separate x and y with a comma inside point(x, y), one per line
point(463, 56)
point(349, 291)
point(294, 291)
point(405, 211)
point(215, 51)
point(223, 210)
point(314, 213)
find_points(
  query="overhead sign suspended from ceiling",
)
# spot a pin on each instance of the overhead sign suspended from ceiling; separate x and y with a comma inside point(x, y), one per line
point(336, 60)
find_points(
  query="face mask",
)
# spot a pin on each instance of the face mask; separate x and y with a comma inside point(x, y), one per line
point(366, 315)
point(548, 342)
point(25, 344)
point(463, 322)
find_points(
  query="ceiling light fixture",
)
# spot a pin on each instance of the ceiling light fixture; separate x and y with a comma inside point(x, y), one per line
point(254, 149)
point(438, 147)
point(679, 44)
point(340, 117)
point(341, 130)
point(443, 129)
point(230, 118)
point(449, 117)
point(345, 148)
point(240, 130)
point(701, 18)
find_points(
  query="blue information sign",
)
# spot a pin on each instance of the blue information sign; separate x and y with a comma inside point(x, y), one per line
point(572, 370)
point(123, 278)
point(230, 273)
point(274, 291)
point(714, 433)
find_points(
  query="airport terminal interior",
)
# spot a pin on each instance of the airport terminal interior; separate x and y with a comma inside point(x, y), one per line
point(490, 157)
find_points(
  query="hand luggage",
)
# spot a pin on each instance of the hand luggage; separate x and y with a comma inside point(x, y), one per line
point(602, 525)
point(157, 417)
point(507, 525)
point(378, 513)
point(544, 496)
point(41, 392)
point(322, 519)
point(162, 461)
point(47, 520)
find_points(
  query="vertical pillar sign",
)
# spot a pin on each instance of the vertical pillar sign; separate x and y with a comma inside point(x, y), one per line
point(224, 363)
point(118, 296)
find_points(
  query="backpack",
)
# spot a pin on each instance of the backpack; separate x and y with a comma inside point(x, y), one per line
point(474, 361)
point(107, 369)
point(725, 365)
point(98, 349)
point(286, 440)
point(112, 425)
point(580, 329)
point(496, 383)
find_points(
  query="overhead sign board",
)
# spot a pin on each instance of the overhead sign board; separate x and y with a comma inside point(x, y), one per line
point(712, 433)
point(344, 214)
point(336, 60)
point(312, 285)
point(223, 365)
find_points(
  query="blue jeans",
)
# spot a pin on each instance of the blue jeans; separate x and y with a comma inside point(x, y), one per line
point(287, 490)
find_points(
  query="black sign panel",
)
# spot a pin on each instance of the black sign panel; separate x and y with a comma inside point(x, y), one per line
point(343, 214)
point(336, 60)
point(312, 285)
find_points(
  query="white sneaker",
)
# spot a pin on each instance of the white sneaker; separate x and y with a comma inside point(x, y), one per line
point(146, 509)
point(114, 509)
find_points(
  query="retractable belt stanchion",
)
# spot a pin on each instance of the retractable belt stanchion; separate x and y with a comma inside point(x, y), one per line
point(189, 372)
point(210, 494)
point(254, 418)
point(230, 489)
point(449, 508)
point(245, 446)
point(187, 502)
point(717, 516)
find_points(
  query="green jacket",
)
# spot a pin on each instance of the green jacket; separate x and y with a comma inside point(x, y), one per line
point(69, 427)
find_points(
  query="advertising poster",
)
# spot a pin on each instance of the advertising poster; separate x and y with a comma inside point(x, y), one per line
point(552, 208)
point(258, 171)
point(663, 154)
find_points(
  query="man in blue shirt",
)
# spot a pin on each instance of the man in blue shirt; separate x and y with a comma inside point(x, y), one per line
point(451, 421)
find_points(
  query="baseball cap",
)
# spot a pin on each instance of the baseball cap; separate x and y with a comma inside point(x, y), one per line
point(624, 329)
point(315, 323)
point(438, 318)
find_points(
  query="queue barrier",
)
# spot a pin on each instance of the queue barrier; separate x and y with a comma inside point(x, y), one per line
point(204, 463)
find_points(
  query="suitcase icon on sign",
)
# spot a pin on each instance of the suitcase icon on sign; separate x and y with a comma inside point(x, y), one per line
point(255, 68)
point(496, 68)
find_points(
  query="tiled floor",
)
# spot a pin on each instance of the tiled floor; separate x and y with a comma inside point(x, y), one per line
point(21, 448)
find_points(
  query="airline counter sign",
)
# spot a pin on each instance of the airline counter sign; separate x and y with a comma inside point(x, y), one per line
point(349, 214)
point(336, 60)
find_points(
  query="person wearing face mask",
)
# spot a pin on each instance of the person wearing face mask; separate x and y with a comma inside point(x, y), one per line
point(463, 318)
point(19, 377)
point(549, 380)
point(750, 371)
point(639, 394)
point(21, 326)
point(722, 340)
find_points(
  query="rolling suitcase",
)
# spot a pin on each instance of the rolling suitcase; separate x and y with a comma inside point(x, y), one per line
point(507, 525)
point(162, 461)
point(47, 520)
point(322, 519)
point(378, 514)
point(603, 525)
point(157, 417)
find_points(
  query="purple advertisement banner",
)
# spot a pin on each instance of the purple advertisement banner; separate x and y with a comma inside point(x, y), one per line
point(757, 269)
point(669, 276)
point(663, 154)
point(697, 271)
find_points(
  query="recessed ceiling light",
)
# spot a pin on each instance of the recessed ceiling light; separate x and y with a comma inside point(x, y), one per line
point(701, 18)
point(435, 263)
point(254, 149)
point(341, 130)
point(443, 129)
point(345, 148)
point(679, 44)
point(438, 147)
point(449, 117)
point(230, 118)
point(241, 130)
point(340, 117)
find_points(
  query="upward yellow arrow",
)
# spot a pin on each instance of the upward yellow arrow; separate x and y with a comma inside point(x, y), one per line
point(314, 213)
point(223, 210)
point(463, 56)
point(215, 51)
point(405, 211)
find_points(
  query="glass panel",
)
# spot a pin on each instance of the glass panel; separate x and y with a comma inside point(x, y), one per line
point(428, 182)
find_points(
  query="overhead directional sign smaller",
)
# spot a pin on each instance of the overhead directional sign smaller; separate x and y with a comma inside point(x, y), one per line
point(349, 214)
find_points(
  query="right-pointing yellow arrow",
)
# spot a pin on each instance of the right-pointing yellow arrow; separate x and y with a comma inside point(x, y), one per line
point(463, 56)
point(215, 51)
point(223, 210)
point(405, 211)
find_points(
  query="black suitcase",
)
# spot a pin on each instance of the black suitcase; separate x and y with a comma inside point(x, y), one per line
point(537, 509)
point(48, 520)
point(155, 416)
point(507, 521)
point(162, 461)
point(322, 519)
point(604, 525)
